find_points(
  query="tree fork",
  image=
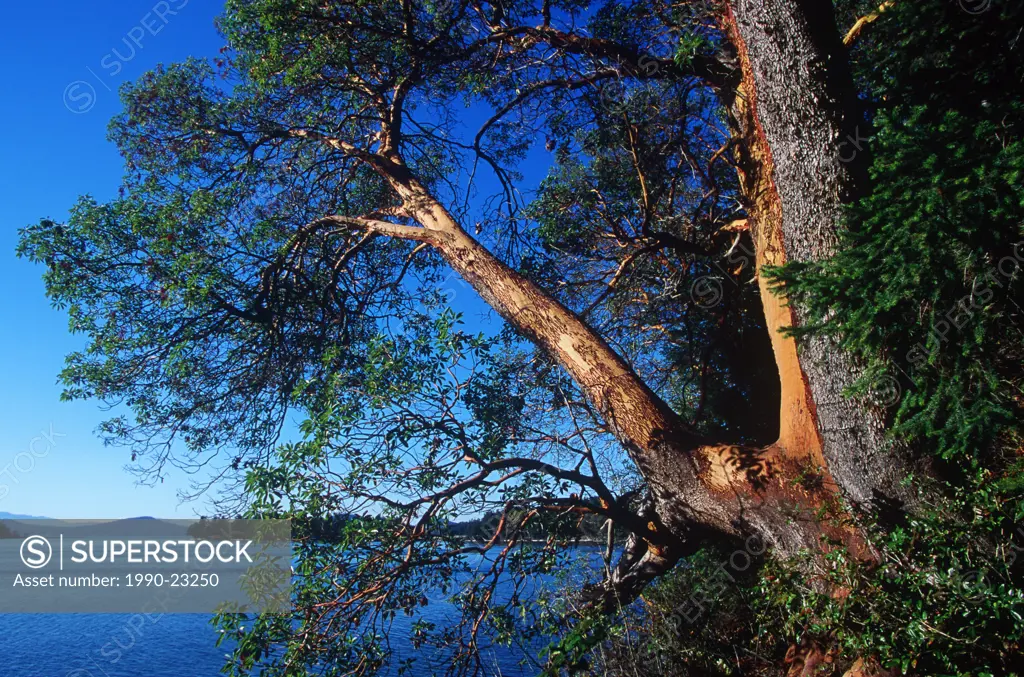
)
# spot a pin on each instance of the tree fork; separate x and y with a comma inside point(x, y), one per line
point(699, 486)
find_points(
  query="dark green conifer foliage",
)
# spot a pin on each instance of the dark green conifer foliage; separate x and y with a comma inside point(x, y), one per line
point(927, 286)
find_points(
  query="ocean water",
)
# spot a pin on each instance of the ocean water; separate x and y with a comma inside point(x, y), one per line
point(171, 645)
point(183, 645)
point(109, 645)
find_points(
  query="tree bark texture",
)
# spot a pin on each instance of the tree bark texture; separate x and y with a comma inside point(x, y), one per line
point(798, 114)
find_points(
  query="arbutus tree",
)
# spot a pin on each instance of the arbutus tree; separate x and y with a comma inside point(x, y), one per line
point(289, 208)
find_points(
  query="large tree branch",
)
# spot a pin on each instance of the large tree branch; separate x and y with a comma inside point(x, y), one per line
point(382, 228)
point(631, 61)
point(640, 562)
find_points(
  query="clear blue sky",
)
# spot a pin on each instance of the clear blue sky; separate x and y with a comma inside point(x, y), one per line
point(65, 60)
point(50, 156)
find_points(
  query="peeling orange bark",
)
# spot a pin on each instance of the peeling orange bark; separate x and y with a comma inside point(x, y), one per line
point(799, 439)
point(798, 454)
point(794, 110)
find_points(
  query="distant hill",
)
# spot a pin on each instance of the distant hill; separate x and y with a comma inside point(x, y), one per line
point(7, 530)
point(132, 528)
point(19, 526)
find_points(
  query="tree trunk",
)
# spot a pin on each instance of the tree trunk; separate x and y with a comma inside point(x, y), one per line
point(698, 488)
point(656, 438)
point(794, 112)
point(797, 115)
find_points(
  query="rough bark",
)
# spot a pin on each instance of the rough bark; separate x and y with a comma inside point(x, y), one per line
point(799, 440)
point(802, 124)
point(795, 113)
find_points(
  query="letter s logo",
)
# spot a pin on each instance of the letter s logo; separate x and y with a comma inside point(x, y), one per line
point(36, 552)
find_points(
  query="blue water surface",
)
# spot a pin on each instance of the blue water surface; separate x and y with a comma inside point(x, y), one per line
point(169, 645)
point(109, 645)
point(184, 645)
